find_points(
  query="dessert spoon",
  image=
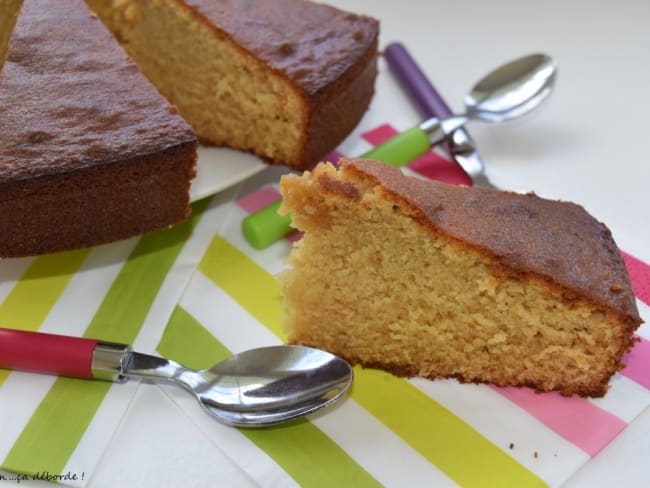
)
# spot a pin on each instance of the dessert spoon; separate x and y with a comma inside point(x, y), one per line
point(254, 388)
point(510, 91)
point(428, 101)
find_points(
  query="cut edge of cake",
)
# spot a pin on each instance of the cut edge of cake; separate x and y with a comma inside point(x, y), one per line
point(256, 84)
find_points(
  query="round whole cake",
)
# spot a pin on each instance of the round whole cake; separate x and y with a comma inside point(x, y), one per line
point(90, 152)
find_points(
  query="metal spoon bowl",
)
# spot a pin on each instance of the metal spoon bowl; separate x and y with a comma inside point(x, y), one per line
point(258, 387)
point(508, 92)
point(255, 388)
point(518, 86)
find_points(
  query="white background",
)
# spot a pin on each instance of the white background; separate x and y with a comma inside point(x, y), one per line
point(589, 144)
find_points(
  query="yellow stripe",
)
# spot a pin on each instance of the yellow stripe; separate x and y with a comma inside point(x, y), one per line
point(57, 425)
point(251, 286)
point(39, 288)
point(32, 298)
point(438, 434)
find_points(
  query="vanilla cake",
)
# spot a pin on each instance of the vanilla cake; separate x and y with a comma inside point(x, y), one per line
point(286, 79)
point(422, 278)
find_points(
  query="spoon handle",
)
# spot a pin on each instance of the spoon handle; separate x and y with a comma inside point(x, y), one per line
point(415, 83)
point(430, 103)
point(77, 357)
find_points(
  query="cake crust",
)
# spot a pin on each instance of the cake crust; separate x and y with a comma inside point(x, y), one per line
point(72, 98)
point(558, 241)
point(314, 49)
point(89, 150)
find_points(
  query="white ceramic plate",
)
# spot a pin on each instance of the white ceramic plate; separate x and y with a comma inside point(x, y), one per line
point(219, 168)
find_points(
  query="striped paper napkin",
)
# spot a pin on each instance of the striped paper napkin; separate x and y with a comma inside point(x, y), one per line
point(199, 292)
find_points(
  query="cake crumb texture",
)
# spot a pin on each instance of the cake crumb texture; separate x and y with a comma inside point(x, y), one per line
point(422, 278)
point(287, 80)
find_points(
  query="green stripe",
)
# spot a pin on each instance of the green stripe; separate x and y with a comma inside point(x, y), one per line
point(310, 457)
point(189, 343)
point(436, 433)
point(456, 446)
point(300, 448)
point(57, 425)
point(32, 298)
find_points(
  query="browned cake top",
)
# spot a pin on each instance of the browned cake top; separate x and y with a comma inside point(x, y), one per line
point(70, 97)
point(558, 240)
point(312, 44)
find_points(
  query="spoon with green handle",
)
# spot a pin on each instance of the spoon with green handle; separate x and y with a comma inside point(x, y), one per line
point(506, 93)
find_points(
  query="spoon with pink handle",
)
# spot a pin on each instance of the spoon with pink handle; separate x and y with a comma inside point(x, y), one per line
point(255, 388)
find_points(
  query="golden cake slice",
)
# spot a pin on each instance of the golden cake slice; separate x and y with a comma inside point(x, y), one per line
point(90, 152)
point(285, 79)
point(422, 278)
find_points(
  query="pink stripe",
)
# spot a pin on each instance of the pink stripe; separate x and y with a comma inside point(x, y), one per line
point(294, 236)
point(333, 157)
point(435, 167)
point(580, 422)
point(432, 165)
point(259, 199)
point(640, 277)
point(637, 363)
point(379, 134)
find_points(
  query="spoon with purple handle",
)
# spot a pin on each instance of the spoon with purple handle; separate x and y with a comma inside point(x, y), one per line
point(508, 92)
point(430, 104)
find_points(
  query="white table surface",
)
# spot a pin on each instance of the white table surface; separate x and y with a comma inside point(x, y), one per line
point(593, 151)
